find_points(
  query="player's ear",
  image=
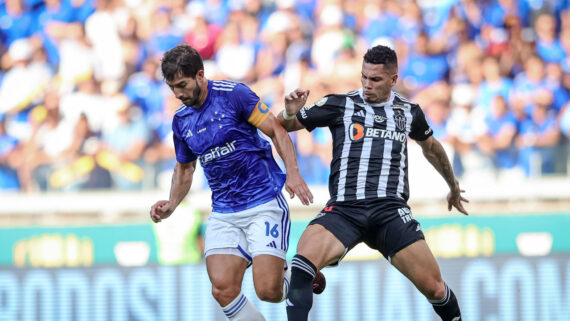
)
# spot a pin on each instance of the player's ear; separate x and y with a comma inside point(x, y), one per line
point(394, 79)
point(200, 75)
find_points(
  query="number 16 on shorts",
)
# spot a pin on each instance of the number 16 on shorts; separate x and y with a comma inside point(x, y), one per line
point(273, 231)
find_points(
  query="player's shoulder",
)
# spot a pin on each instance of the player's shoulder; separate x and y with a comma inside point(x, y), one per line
point(336, 100)
point(401, 102)
point(225, 86)
point(182, 111)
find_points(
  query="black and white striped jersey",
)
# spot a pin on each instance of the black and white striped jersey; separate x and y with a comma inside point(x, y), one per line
point(370, 158)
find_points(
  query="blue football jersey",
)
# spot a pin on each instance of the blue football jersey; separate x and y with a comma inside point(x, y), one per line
point(237, 161)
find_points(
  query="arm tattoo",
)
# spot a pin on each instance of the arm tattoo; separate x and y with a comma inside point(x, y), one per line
point(438, 158)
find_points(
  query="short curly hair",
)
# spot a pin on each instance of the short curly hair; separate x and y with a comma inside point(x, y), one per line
point(181, 60)
point(381, 55)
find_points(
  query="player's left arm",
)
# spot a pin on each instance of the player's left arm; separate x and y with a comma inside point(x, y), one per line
point(422, 133)
point(436, 155)
point(262, 118)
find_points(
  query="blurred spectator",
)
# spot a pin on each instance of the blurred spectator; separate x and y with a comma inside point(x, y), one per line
point(538, 137)
point(123, 146)
point(17, 21)
point(471, 12)
point(15, 98)
point(10, 156)
point(82, 9)
point(164, 35)
point(520, 47)
point(554, 83)
point(311, 166)
point(437, 114)
point(435, 14)
point(422, 69)
point(329, 39)
point(466, 61)
point(498, 140)
point(202, 36)
point(383, 21)
point(159, 155)
point(465, 127)
point(147, 90)
point(494, 11)
point(103, 33)
point(77, 61)
point(548, 46)
point(230, 50)
point(528, 83)
point(493, 84)
point(217, 12)
point(51, 23)
point(410, 22)
point(54, 145)
point(86, 100)
point(564, 123)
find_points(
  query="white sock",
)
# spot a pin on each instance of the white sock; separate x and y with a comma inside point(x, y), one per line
point(240, 309)
point(286, 281)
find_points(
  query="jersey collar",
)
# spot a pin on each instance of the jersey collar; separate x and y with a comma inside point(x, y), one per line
point(386, 103)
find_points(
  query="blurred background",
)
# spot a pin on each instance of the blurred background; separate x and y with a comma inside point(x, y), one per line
point(86, 149)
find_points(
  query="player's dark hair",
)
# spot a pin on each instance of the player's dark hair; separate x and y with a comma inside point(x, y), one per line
point(381, 55)
point(181, 60)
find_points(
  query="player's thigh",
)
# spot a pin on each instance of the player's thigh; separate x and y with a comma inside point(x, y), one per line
point(333, 232)
point(226, 271)
point(267, 228)
point(222, 232)
point(268, 272)
point(320, 246)
point(418, 264)
point(392, 227)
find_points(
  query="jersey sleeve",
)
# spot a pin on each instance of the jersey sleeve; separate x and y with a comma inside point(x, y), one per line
point(183, 153)
point(248, 105)
point(420, 129)
point(322, 113)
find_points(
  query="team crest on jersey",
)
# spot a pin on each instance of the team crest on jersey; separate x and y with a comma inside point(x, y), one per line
point(400, 120)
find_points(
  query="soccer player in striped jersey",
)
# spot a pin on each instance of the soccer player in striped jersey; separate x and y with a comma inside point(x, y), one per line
point(218, 124)
point(368, 184)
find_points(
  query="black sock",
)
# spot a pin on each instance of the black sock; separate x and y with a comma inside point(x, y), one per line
point(447, 308)
point(300, 297)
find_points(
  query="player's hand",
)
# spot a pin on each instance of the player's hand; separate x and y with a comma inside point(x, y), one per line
point(161, 210)
point(454, 199)
point(295, 185)
point(295, 100)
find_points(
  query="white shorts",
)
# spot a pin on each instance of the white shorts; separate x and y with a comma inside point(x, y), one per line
point(263, 229)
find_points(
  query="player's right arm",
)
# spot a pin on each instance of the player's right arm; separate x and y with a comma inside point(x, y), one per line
point(181, 183)
point(294, 101)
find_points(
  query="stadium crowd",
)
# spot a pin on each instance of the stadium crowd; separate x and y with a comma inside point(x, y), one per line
point(83, 104)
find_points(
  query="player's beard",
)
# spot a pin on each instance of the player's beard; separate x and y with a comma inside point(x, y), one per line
point(195, 99)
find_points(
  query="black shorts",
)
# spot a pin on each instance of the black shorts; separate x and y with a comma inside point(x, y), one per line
point(384, 224)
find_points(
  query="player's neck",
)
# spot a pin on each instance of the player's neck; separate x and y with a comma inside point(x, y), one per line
point(203, 93)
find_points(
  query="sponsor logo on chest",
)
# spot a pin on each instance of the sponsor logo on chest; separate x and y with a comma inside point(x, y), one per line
point(357, 132)
point(218, 152)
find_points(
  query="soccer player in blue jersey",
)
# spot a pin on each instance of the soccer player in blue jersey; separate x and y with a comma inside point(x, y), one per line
point(218, 124)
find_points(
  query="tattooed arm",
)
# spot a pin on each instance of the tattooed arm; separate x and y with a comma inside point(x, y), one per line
point(436, 155)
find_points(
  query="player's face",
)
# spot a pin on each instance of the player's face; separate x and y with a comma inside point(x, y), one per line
point(187, 89)
point(377, 82)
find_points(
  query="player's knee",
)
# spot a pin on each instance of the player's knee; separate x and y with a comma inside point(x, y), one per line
point(434, 290)
point(225, 295)
point(271, 293)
